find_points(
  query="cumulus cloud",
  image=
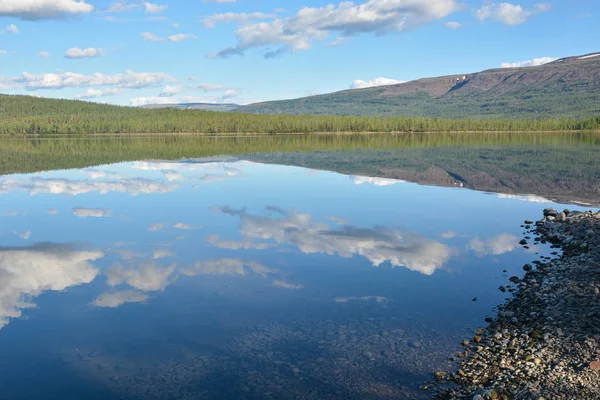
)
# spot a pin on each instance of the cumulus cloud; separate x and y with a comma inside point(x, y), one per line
point(211, 22)
point(181, 36)
point(27, 272)
point(150, 37)
point(453, 25)
point(93, 93)
point(358, 84)
point(317, 23)
point(169, 91)
point(508, 13)
point(147, 276)
point(118, 298)
point(228, 266)
point(44, 9)
point(154, 8)
point(44, 54)
point(378, 245)
point(91, 212)
point(69, 187)
point(359, 180)
point(496, 245)
point(129, 80)
point(76, 52)
point(529, 63)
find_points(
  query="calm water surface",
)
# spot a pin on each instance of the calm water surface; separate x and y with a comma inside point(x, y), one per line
point(226, 278)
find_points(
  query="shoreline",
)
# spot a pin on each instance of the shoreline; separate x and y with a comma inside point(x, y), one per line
point(263, 134)
point(544, 342)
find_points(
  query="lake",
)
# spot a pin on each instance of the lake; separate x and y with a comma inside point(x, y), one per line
point(332, 267)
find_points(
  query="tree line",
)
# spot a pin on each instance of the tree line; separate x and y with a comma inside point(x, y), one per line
point(26, 115)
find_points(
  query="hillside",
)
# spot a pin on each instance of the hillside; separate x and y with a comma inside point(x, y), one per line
point(565, 88)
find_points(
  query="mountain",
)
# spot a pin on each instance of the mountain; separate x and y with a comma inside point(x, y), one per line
point(566, 88)
point(196, 106)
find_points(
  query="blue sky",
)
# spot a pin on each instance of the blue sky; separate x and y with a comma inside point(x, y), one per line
point(134, 52)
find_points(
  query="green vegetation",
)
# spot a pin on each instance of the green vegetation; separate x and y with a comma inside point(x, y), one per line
point(20, 155)
point(568, 88)
point(29, 115)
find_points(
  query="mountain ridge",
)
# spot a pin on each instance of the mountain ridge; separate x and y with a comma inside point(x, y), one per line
point(567, 88)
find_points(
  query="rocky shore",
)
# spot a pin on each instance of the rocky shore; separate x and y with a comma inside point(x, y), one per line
point(545, 341)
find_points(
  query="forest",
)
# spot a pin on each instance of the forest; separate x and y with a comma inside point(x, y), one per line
point(26, 115)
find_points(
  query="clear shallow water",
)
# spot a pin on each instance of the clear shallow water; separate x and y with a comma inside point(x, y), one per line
point(236, 279)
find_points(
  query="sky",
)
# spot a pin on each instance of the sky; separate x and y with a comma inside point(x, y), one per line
point(132, 52)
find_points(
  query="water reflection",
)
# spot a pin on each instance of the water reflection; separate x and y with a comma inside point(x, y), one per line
point(27, 272)
point(378, 245)
point(212, 290)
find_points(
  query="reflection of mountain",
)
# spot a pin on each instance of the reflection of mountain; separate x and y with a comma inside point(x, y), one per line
point(378, 245)
point(27, 272)
point(563, 172)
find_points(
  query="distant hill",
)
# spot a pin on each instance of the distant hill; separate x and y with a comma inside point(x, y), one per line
point(196, 106)
point(565, 88)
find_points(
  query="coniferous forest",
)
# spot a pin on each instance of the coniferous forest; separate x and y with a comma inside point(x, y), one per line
point(26, 115)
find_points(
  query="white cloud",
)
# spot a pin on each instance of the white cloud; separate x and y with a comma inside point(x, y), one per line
point(25, 235)
point(44, 54)
point(53, 211)
point(91, 213)
point(337, 42)
point(156, 227)
point(3, 52)
point(449, 234)
point(12, 28)
point(76, 52)
point(186, 227)
point(453, 25)
point(69, 187)
point(93, 93)
point(43, 9)
point(100, 174)
point(146, 277)
point(118, 298)
point(359, 180)
point(378, 245)
point(531, 198)
point(162, 253)
point(212, 21)
point(286, 285)
point(358, 84)
point(378, 299)
point(121, 6)
point(150, 37)
point(130, 79)
point(169, 91)
point(508, 13)
point(228, 266)
point(318, 23)
point(181, 36)
point(497, 245)
point(27, 272)
point(155, 8)
point(529, 63)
